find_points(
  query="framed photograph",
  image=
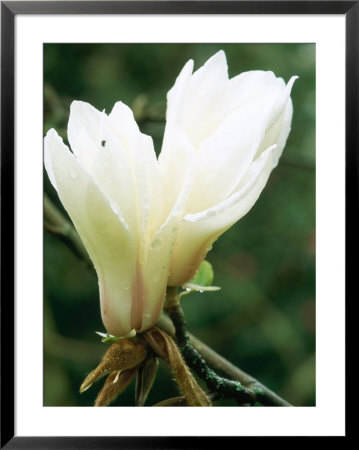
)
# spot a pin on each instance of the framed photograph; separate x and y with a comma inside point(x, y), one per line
point(169, 172)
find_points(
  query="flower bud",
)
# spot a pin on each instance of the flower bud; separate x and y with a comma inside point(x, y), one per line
point(110, 185)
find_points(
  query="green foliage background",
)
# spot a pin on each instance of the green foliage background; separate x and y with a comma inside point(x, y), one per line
point(263, 319)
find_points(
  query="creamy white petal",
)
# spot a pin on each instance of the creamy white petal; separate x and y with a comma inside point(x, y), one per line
point(259, 170)
point(106, 238)
point(124, 126)
point(278, 133)
point(210, 77)
point(160, 251)
point(226, 155)
point(227, 124)
point(278, 127)
point(112, 171)
point(192, 96)
point(175, 97)
point(157, 269)
point(283, 99)
point(248, 86)
point(135, 153)
point(51, 139)
point(85, 132)
point(199, 231)
point(177, 166)
point(202, 100)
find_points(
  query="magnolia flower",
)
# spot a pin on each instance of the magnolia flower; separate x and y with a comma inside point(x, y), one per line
point(148, 223)
point(222, 139)
point(111, 188)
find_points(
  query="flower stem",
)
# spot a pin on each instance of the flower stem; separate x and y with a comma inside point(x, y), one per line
point(246, 390)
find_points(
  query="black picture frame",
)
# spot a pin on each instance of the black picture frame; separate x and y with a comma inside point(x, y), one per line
point(9, 10)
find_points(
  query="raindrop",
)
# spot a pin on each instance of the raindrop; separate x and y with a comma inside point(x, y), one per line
point(156, 277)
point(211, 214)
point(156, 243)
point(114, 207)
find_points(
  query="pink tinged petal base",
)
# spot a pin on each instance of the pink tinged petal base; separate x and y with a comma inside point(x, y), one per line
point(138, 298)
point(156, 270)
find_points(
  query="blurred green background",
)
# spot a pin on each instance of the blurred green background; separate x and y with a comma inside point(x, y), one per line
point(263, 319)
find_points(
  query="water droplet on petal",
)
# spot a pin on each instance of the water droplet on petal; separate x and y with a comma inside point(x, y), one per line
point(156, 277)
point(174, 230)
point(114, 207)
point(156, 243)
point(211, 214)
